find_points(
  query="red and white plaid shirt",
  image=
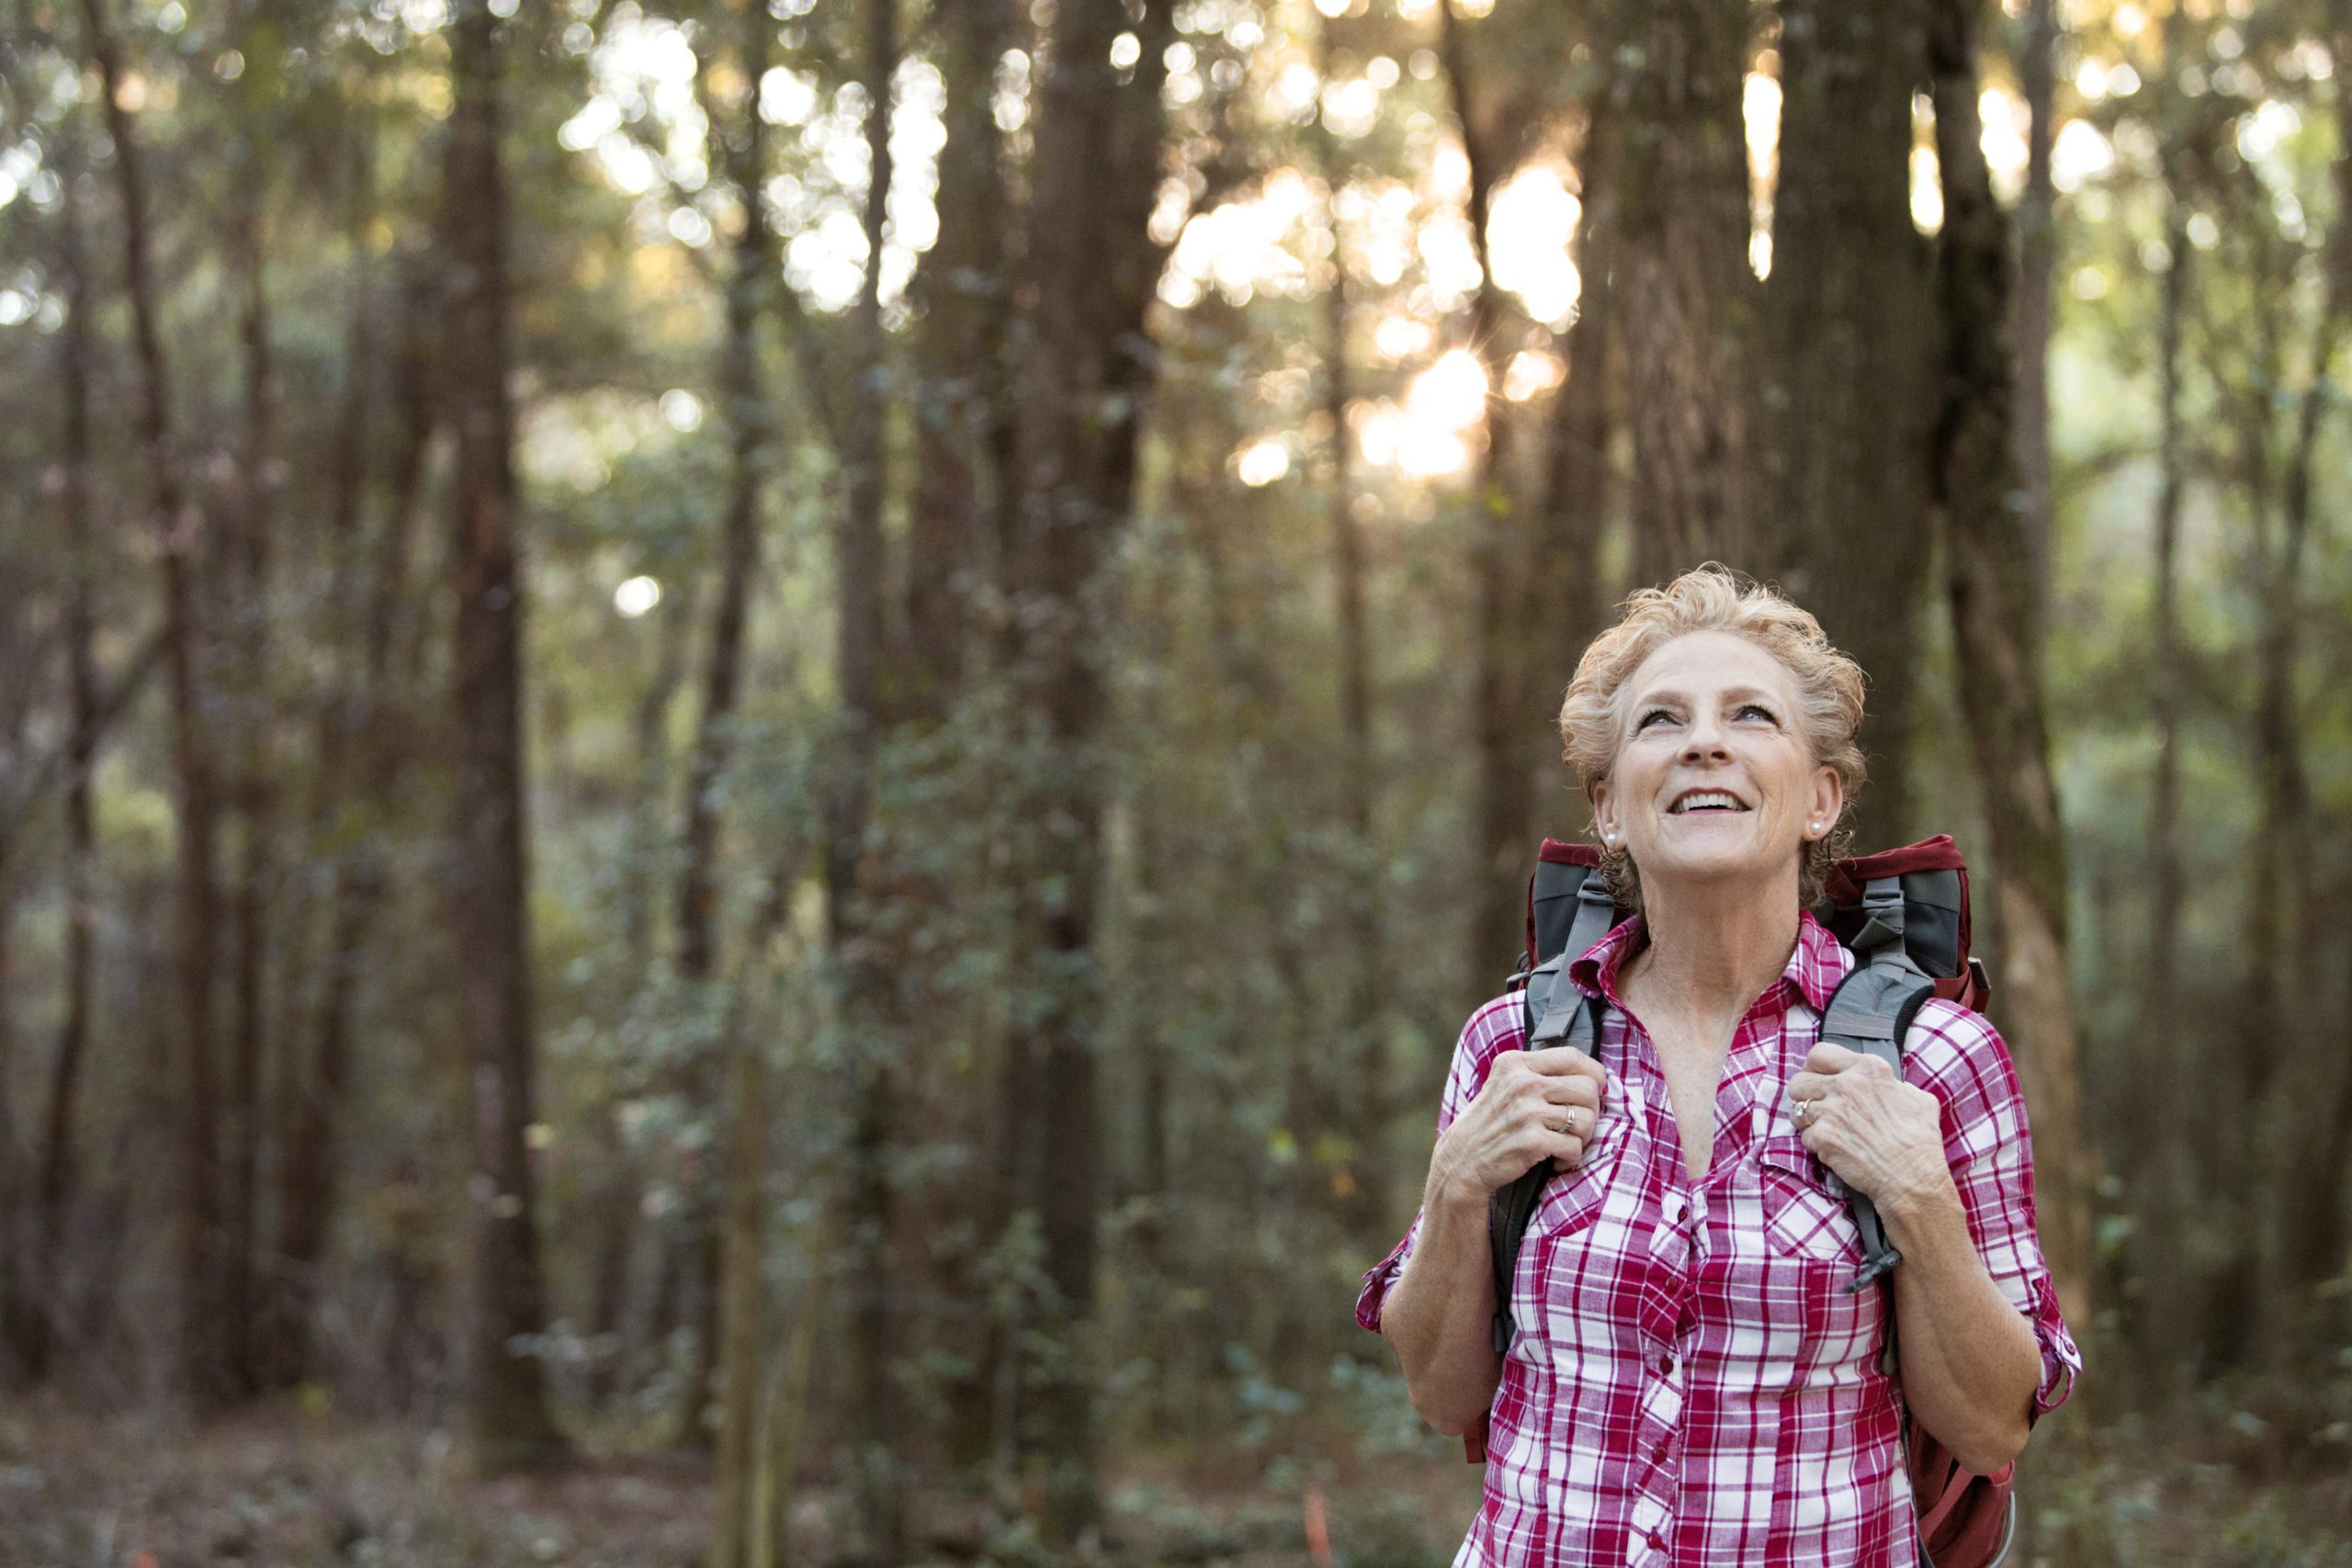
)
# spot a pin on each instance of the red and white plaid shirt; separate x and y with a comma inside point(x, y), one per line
point(1691, 1384)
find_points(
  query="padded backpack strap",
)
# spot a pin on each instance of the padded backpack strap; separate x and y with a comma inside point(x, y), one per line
point(1558, 1014)
point(1871, 1012)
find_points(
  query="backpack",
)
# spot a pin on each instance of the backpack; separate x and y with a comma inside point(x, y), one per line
point(1903, 915)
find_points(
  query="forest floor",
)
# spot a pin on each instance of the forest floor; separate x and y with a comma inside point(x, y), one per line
point(281, 1489)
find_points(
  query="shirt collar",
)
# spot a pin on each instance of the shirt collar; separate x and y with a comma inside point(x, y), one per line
point(1813, 969)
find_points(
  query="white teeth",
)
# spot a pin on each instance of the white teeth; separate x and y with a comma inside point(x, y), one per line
point(1706, 798)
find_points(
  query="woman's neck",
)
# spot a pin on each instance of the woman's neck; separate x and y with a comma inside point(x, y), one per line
point(1711, 950)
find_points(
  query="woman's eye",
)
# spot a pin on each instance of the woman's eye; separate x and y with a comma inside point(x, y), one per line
point(1759, 710)
point(1643, 722)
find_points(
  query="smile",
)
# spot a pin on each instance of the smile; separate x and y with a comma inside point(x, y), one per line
point(1705, 800)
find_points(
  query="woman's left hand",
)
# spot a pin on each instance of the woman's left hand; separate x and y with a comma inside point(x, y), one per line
point(1882, 1136)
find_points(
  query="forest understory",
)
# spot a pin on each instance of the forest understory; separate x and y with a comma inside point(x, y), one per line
point(285, 1489)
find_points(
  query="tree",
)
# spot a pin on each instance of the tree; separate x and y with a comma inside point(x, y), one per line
point(1847, 305)
point(1690, 303)
point(1998, 639)
point(489, 914)
point(1097, 138)
point(205, 1327)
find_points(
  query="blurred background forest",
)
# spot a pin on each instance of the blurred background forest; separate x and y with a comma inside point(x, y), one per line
point(755, 753)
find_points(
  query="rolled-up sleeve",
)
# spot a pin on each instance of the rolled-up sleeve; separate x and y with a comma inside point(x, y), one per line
point(1961, 1058)
point(1492, 1029)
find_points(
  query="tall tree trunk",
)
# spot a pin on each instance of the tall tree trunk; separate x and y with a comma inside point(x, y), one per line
point(964, 427)
point(857, 548)
point(1690, 295)
point(256, 869)
point(1849, 305)
point(204, 1330)
point(745, 394)
point(1998, 648)
point(2164, 1188)
point(1579, 485)
point(367, 760)
point(488, 879)
point(1365, 1006)
point(1498, 556)
point(963, 422)
point(2037, 260)
point(58, 1166)
point(1097, 146)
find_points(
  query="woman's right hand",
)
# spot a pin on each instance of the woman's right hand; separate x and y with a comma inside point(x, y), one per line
point(1535, 1105)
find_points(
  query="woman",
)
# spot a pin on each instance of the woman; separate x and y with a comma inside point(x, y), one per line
point(1691, 1383)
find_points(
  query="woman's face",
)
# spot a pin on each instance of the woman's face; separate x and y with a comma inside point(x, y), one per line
point(1713, 780)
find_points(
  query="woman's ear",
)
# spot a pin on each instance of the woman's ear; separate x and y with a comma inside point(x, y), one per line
point(1604, 815)
point(1828, 801)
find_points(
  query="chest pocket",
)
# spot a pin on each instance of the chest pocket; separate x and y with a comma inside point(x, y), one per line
point(1574, 1199)
point(1812, 1251)
point(1806, 1210)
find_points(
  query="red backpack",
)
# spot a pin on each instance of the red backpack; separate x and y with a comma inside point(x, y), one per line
point(1904, 916)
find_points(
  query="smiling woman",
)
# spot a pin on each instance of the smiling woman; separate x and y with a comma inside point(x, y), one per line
point(1684, 1375)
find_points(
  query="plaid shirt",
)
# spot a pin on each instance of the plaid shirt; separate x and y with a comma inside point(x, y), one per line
point(1691, 1384)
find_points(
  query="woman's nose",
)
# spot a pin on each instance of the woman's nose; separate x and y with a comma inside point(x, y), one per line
point(1703, 740)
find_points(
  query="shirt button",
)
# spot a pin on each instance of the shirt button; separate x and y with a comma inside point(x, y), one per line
point(1665, 1364)
point(1658, 1541)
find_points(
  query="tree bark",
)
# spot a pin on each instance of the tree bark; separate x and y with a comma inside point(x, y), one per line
point(963, 420)
point(1998, 648)
point(1849, 306)
point(489, 877)
point(204, 1328)
point(2160, 1319)
point(1498, 552)
point(1097, 135)
point(859, 570)
point(1690, 294)
point(256, 870)
point(1365, 1006)
point(60, 1165)
point(2037, 260)
point(743, 390)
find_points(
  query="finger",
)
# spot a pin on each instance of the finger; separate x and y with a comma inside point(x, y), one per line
point(1561, 1061)
point(1827, 1058)
point(1808, 1086)
point(1570, 1155)
point(1569, 1091)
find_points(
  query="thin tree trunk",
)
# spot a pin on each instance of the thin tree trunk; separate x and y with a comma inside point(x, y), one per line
point(1498, 557)
point(745, 394)
point(176, 526)
point(59, 1163)
point(1849, 303)
point(1690, 294)
point(964, 428)
point(2037, 260)
point(2164, 1190)
point(1364, 1010)
point(256, 869)
point(1578, 483)
point(1097, 164)
point(506, 1396)
point(877, 1434)
point(369, 760)
point(964, 423)
point(1998, 643)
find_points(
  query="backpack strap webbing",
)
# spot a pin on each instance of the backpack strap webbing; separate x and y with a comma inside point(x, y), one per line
point(1571, 909)
point(1562, 1015)
point(1871, 1012)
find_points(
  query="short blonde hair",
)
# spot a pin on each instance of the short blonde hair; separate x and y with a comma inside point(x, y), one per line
point(1715, 599)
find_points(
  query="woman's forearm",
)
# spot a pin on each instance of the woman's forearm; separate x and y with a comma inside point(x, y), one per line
point(1970, 1360)
point(1439, 1315)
